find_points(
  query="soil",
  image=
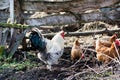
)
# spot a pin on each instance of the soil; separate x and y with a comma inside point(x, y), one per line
point(85, 69)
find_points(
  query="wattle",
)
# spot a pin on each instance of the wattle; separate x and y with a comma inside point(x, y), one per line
point(117, 42)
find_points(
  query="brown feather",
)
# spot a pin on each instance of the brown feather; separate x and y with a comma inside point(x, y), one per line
point(76, 51)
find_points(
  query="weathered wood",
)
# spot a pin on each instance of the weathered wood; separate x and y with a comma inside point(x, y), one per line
point(69, 19)
point(101, 16)
point(76, 6)
point(1, 35)
point(52, 20)
point(11, 9)
point(17, 42)
point(50, 0)
point(12, 31)
point(13, 39)
point(4, 16)
point(4, 4)
point(87, 17)
point(5, 33)
point(18, 12)
point(85, 33)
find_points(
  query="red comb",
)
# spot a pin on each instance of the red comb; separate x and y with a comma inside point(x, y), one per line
point(117, 42)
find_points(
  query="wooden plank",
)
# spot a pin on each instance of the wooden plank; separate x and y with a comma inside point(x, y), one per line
point(11, 9)
point(66, 19)
point(69, 19)
point(52, 20)
point(101, 16)
point(17, 42)
point(1, 35)
point(4, 15)
point(5, 33)
point(4, 4)
point(49, 0)
point(77, 6)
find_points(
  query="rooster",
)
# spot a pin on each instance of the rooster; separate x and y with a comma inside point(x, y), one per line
point(105, 52)
point(76, 51)
point(50, 50)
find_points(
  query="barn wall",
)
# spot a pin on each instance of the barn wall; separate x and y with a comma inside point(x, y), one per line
point(88, 9)
point(4, 16)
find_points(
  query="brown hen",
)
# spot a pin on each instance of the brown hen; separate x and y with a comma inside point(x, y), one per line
point(107, 52)
point(76, 52)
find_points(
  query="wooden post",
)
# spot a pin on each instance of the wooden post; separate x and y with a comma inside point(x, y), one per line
point(11, 11)
point(0, 35)
point(13, 32)
point(11, 14)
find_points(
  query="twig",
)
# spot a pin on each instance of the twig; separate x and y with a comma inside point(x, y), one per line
point(85, 33)
point(104, 70)
point(92, 50)
point(79, 73)
point(92, 69)
point(75, 63)
point(65, 60)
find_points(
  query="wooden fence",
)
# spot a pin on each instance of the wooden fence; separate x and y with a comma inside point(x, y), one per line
point(84, 10)
point(57, 12)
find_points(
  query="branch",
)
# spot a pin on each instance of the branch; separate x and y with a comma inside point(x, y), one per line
point(84, 33)
point(17, 26)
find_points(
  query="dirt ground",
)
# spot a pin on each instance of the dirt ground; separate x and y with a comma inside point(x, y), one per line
point(85, 69)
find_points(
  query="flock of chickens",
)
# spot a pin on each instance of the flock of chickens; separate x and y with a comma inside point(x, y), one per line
point(51, 50)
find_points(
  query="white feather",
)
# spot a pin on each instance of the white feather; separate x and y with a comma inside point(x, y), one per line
point(54, 50)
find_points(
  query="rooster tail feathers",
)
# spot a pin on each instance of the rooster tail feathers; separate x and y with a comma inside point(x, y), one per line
point(37, 40)
point(36, 30)
point(43, 56)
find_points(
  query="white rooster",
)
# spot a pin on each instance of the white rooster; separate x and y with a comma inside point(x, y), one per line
point(50, 50)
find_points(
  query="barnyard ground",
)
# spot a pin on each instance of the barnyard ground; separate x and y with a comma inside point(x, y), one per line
point(31, 68)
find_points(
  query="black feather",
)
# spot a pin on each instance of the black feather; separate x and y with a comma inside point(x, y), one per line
point(37, 41)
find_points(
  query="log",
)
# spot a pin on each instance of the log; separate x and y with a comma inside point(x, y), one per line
point(76, 6)
point(85, 33)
